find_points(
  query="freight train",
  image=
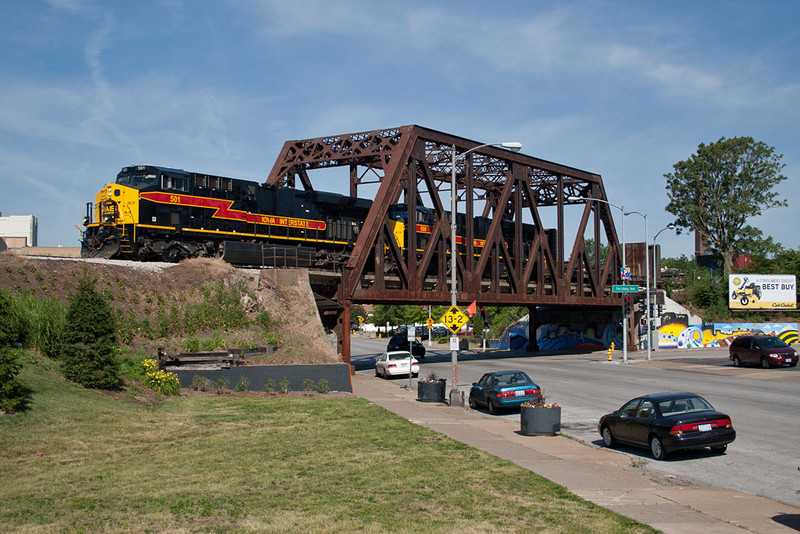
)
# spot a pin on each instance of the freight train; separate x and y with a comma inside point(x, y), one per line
point(165, 214)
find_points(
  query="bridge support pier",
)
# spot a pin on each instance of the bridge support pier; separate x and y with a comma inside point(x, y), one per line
point(533, 327)
point(343, 331)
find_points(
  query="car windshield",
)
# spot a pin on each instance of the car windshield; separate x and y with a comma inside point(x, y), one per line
point(772, 343)
point(683, 405)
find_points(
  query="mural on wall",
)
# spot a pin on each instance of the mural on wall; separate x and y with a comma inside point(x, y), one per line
point(559, 336)
point(579, 336)
point(676, 332)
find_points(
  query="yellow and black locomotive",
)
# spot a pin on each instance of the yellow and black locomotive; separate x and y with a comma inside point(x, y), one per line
point(165, 214)
point(158, 213)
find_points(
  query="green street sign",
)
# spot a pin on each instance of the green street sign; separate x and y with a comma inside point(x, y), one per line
point(624, 289)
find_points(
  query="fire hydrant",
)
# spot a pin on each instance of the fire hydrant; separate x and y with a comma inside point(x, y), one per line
point(610, 350)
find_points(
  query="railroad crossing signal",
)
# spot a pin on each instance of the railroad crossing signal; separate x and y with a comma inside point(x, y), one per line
point(454, 319)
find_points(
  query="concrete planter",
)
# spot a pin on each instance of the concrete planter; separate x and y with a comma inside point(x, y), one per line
point(540, 421)
point(431, 391)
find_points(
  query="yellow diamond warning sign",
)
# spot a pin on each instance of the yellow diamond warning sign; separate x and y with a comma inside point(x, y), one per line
point(454, 319)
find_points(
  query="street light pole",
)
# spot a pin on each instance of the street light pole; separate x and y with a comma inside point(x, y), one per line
point(625, 280)
point(670, 226)
point(455, 394)
point(646, 278)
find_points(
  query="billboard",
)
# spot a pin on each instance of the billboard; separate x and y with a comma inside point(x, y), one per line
point(762, 291)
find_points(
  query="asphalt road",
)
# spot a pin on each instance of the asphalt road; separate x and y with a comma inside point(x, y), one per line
point(763, 404)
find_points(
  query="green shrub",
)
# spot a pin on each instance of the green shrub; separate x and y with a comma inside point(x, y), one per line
point(308, 385)
point(222, 385)
point(214, 342)
point(199, 383)
point(39, 321)
point(242, 385)
point(284, 385)
point(89, 340)
point(270, 386)
point(264, 319)
point(191, 344)
point(13, 395)
point(323, 386)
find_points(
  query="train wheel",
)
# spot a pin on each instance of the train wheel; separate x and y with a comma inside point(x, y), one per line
point(172, 255)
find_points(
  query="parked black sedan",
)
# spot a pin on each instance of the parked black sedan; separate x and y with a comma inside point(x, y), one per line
point(401, 343)
point(668, 422)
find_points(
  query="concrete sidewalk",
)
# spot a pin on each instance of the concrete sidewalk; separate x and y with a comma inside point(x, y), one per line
point(605, 477)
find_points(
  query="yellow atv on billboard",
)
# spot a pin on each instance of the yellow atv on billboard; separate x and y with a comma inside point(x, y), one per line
point(747, 293)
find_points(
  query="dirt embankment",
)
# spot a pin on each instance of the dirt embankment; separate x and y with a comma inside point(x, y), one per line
point(148, 294)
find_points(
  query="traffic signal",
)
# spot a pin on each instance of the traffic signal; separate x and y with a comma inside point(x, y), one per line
point(627, 304)
point(483, 316)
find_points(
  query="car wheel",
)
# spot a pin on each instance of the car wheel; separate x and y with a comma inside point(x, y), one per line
point(719, 449)
point(608, 438)
point(737, 362)
point(376, 372)
point(472, 404)
point(764, 362)
point(492, 408)
point(657, 448)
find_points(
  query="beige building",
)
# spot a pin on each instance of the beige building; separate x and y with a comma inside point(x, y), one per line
point(18, 231)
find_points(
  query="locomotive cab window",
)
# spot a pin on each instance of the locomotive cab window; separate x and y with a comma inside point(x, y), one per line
point(176, 183)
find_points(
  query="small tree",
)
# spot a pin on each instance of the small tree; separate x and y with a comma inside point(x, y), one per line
point(89, 341)
point(12, 393)
point(720, 187)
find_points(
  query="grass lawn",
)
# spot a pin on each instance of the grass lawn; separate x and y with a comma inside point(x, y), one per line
point(236, 464)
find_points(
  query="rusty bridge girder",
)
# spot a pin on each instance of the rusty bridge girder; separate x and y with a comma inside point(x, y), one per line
point(512, 190)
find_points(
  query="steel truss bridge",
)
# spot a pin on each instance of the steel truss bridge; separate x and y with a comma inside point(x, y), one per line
point(524, 198)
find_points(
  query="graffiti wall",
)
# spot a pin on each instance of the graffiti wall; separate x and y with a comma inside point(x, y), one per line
point(559, 336)
point(578, 336)
point(676, 332)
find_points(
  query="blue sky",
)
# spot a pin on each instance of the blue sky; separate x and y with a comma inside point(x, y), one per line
point(622, 89)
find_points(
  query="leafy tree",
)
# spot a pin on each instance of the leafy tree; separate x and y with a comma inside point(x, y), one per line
point(398, 315)
point(500, 317)
point(720, 187)
point(356, 312)
point(590, 250)
point(89, 341)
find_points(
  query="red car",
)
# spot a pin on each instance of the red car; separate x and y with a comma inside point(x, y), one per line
point(767, 351)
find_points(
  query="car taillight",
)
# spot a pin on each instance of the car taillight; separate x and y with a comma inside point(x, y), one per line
point(505, 394)
point(692, 427)
point(392, 365)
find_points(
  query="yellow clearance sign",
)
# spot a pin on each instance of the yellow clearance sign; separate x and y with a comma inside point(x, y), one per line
point(454, 319)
